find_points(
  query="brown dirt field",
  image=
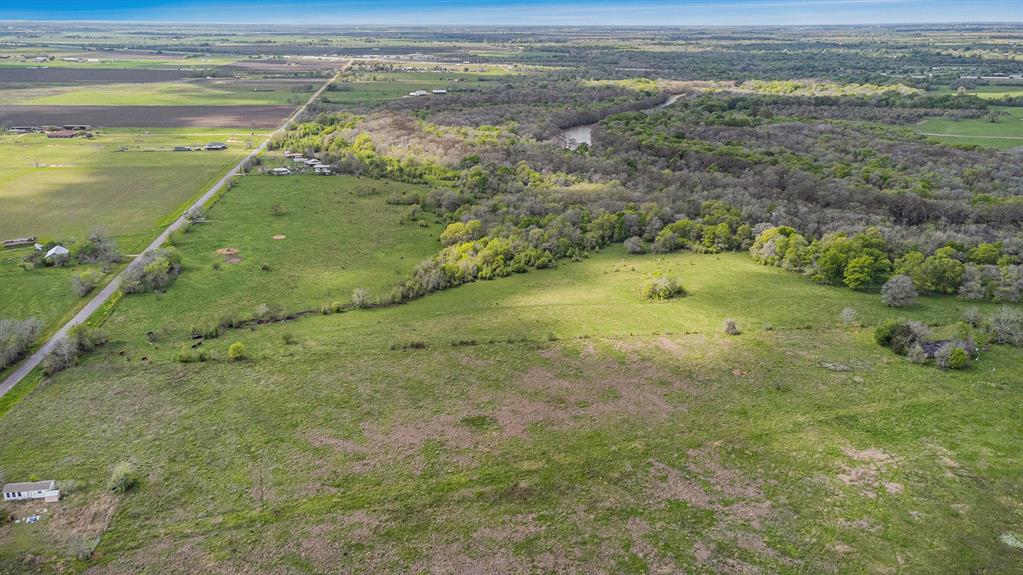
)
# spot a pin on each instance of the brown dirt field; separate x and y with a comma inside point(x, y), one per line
point(90, 75)
point(147, 116)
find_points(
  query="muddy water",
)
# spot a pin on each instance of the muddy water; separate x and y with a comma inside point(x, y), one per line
point(583, 134)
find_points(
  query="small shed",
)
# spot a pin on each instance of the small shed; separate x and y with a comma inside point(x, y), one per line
point(280, 172)
point(56, 251)
point(46, 490)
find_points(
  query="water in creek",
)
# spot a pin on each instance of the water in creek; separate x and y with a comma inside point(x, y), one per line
point(583, 134)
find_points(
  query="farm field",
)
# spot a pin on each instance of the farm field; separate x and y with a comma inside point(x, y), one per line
point(253, 117)
point(536, 420)
point(1006, 133)
point(373, 87)
point(195, 93)
point(58, 189)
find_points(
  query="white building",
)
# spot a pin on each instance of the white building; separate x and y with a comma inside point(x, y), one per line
point(46, 490)
point(280, 172)
point(56, 251)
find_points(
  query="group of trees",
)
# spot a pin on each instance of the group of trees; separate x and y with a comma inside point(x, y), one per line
point(97, 248)
point(152, 271)
point(867, 260)
point(16, 337)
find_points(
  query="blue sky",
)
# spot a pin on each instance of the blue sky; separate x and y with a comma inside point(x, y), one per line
point(522, 12)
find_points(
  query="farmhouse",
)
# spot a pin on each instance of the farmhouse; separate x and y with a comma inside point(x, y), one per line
point(56, 251)
point(216, 146)
point(62, 134)
point(46, 490)
point(19, 242)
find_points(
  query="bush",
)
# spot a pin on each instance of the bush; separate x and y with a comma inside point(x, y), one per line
point(63, 356)
point(153, 271)
point(188, 354)
point(123, 478)
point(85, 282)
point(972, 317)
point(360, 298)
point(848, 316)
point(277, 210)
point(1006, 326)
point(16, 337)
point(98, 248)
point(236, 351)
point(899, 291)
point(660, 286)
point(634, 245)
point(195, 214)
point(951, 356)
point(731, 328)
point(916, 354)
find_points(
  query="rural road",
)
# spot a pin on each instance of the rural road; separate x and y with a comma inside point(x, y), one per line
point(30, 363)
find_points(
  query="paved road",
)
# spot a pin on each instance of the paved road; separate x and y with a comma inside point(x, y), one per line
point(30, 363)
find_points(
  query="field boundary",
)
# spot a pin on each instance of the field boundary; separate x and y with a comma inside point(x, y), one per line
point(113, 287)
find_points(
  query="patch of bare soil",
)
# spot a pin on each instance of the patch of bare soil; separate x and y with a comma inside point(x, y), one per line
point(736, 500)
point(230, 255)
point(669, 346)
point(866, 473)
point(280, 237)
point(87, 521)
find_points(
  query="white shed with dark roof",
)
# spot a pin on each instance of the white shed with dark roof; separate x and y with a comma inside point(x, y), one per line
point(32, 490)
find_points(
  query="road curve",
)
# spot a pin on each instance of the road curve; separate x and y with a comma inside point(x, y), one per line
point(31, 362)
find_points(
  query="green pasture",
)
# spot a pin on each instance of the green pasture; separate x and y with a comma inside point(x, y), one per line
point(1007, 132)
point(542, 418)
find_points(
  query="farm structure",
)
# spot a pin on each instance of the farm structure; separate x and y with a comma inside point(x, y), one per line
point(46, 490)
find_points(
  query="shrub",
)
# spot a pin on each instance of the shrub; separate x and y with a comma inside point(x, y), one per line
point(289, 339)
point(950, 356)
point(153, 271)
point(195, 214)
point(336, 307)
point(972, 316)
point(188, 354)
point(266, 267)
point(16, 337)
point(660, 286)
point(236, 351)
point(916, 354)
point(731, 327)
point(85, 282)
point(899, 291)
point(98, 248)
point(900, 335)
point(360, 298)
point(1006, 326)
point(634, 245)
point(63, 356)
point(277, 210)
point(848, 316)
point(123, 478)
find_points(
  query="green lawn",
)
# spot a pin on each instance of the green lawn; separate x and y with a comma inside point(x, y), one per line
point(536, 423)
point(1007, 132)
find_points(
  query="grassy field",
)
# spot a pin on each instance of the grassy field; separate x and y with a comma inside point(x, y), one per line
point(542, 422)
point(370, 87)
point(58, 189)
point(195, 93)
point(1006, 133)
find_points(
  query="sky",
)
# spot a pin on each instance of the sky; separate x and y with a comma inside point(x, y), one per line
point(522, 12)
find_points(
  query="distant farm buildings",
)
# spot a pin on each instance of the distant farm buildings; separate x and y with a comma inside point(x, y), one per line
point(16, 242)
point(182, 148)
point(215, 146)
point(280, 172)
point(63, 134)
point(46, 490)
